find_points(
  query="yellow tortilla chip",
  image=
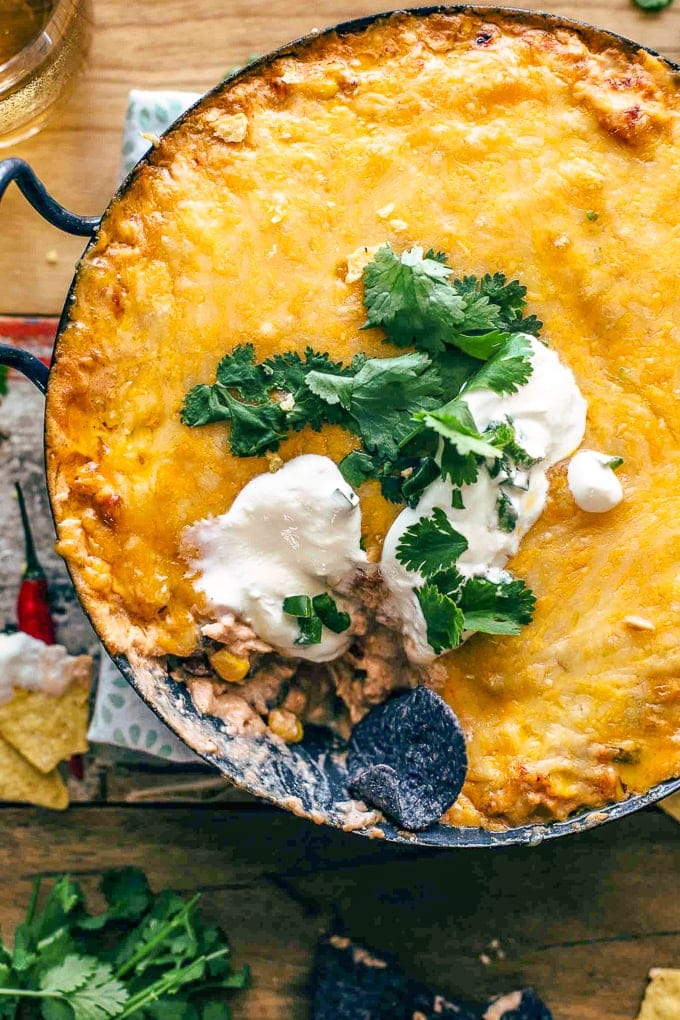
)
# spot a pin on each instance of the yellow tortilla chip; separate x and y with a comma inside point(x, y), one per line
point(47, 729)
point(20, 781)
point(662, 996)
point(671, 805)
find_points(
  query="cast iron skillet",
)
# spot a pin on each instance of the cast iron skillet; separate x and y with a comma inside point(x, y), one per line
point(309, 779)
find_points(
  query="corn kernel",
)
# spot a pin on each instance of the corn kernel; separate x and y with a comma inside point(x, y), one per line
point(230, 667)
point(285, 725)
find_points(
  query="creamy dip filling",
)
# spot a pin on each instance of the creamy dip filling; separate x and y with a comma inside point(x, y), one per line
point(592, 482)
point(549, 416)
point(294, 532)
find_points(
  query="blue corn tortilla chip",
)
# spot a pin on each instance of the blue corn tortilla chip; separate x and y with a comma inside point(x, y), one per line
point(521, 1005)
point(351, 982)
point(408, 758)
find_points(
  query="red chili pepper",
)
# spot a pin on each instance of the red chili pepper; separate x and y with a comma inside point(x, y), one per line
point(33, 607)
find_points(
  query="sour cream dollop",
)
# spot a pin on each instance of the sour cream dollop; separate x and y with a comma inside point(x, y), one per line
point(593, 483)
point(295, 531)
point(549, 416)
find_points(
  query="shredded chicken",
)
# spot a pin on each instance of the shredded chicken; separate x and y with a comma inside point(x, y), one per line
point(239, 637)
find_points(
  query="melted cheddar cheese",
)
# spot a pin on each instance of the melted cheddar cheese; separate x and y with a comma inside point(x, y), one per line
point(544, 154)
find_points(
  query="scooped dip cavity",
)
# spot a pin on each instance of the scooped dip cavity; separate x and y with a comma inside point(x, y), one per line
point(293, 532)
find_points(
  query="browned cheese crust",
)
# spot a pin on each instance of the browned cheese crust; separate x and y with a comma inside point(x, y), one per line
point(491, 140)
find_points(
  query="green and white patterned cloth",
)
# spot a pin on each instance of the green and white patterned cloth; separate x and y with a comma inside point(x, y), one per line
point(120, 718)
point(149, 113)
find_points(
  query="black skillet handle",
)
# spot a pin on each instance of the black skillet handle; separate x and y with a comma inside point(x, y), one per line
point(82, 226)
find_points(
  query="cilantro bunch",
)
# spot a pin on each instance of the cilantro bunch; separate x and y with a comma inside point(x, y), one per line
point(146, 956)
point(410, 414)
point(468, 333)
point(450, 602)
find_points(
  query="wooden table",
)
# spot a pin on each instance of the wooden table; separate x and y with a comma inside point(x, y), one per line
point(583, 919)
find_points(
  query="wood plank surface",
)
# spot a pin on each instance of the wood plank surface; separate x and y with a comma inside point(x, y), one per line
point(582, 919)
point(184, 44)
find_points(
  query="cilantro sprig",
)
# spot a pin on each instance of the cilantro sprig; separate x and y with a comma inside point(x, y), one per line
point(452, 603)
point(146, 956)
point(263, 401)
point(469, 333)
point(412, 299)
point(431, 545)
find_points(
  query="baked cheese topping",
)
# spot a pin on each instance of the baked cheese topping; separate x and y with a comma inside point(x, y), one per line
point(548, 155)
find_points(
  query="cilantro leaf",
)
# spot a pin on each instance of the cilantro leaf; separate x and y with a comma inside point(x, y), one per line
point(509, 298)
point(507, 514)
point(203, 406)
point(128, 895)
point(653, 5)
point(443, 618)
point(496, 607)
point(382, 396)
point(254, 427)
point(4, 374)
point(423, 473)
point(431, 544)
point(70, 974)
point(411, 298)
point(101, 997)
point(507, 370)
point(454, 423)
point(288, 373)
point(460, 469)
point(357, 467)
point(238, 371)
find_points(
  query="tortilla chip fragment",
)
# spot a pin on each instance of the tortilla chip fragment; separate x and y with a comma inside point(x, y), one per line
point(47, 729)
point(671, 805)
point(662, 995)
point(19, 781)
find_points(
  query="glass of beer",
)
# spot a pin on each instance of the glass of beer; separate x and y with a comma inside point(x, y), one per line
point(42, 46)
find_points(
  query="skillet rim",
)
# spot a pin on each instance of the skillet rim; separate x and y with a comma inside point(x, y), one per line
point(439, 835)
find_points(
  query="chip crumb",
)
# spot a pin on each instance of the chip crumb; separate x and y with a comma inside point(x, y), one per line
point(278, 207)
point(671, 805)
point(357, 260)
point(228, 127)
point(506, 1004)
point(638, 623)
point(275, 461)
point(150, 137)
point(51, 257)
point(662, 995)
